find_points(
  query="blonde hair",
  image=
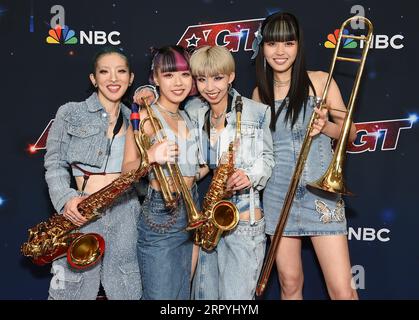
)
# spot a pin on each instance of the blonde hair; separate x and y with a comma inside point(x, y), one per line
point(211, 61)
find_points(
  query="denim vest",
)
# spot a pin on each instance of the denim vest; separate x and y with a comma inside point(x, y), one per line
point(78, 134)
point(255, 155)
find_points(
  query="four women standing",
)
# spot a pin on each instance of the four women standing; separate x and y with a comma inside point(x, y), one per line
point(271, 136)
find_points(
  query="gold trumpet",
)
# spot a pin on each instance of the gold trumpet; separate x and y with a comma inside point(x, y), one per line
point(195, 219)
point(333, 180)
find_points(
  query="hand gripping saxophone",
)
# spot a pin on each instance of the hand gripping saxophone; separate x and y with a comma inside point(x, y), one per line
point(58, 236)
point(222, 215)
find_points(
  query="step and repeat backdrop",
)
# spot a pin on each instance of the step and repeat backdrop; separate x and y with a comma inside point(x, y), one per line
point(43, 67)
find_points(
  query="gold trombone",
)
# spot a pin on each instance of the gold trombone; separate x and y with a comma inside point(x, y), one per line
point(333, 180)
point(195, 219)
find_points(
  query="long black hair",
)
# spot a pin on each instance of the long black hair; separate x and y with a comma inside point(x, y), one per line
point(127, 97)
point(283, 27)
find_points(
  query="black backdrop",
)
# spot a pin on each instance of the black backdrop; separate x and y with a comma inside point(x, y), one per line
point(37, 77)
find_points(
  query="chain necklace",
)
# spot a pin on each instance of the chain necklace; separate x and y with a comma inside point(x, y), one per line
point(214, 125)
point(279, 83)
point(218, 119)
point(171, 114)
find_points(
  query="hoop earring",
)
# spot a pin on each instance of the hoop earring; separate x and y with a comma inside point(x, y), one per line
point(229, 87)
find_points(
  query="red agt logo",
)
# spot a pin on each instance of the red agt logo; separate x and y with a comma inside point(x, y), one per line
point(41, 143)
point(233, 35)
point(368, 135)
point(387, 131)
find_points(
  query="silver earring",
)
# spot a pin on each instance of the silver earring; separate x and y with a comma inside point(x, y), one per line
point(264, 63)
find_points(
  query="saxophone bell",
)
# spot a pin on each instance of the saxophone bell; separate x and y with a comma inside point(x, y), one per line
point(85, 251)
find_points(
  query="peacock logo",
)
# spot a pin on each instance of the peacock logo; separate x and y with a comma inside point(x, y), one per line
point(59, 35)
point(332, 40)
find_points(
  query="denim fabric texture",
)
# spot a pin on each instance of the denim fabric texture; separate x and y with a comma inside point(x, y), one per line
point(118, 270)
point(313, 212)
point(79, 134)
point(164, 248)
point(231, 270)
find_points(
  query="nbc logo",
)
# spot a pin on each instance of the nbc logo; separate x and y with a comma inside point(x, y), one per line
point(379, 41)
point(332, 40)
point(59, 35)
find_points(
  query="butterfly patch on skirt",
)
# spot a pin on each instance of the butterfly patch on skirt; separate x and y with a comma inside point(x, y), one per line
point(327, 215)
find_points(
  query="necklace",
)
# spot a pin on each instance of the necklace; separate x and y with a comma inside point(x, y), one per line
point(111, 122)
point(218, 119)
point(174, 115)
point(279, 83)
point(214, 125)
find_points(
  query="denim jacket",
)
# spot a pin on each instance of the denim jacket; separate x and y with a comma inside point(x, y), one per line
point(255, 153)
point(255, 156)
point(78, 134)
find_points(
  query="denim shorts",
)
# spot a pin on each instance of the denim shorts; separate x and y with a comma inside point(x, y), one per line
point(232, 269)
point(164, 248)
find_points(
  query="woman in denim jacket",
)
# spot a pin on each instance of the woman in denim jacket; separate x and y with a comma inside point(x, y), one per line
point(83, 138)
point(164, 246)
point(231, 270)
point(284, 83)
point(239, 253)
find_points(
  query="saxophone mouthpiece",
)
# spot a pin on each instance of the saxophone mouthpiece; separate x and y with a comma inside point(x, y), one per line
point(239, 104)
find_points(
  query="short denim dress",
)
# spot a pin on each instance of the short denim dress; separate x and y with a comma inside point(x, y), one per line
point(313, 212)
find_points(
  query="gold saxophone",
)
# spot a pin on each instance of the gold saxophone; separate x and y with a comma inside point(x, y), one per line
point(55, 238)
point(51, 240)
point(222, 215)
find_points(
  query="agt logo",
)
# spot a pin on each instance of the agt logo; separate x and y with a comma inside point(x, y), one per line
point(60, 33)
point(387, 132)
point(369, 134)
point(234, 35)
point(379, 41)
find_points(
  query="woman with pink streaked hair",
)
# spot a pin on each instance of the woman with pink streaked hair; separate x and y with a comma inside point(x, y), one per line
point(164, 247)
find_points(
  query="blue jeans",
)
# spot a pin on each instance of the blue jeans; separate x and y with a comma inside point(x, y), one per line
point(164, 249)
point(118, 271)
point(231, 270)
